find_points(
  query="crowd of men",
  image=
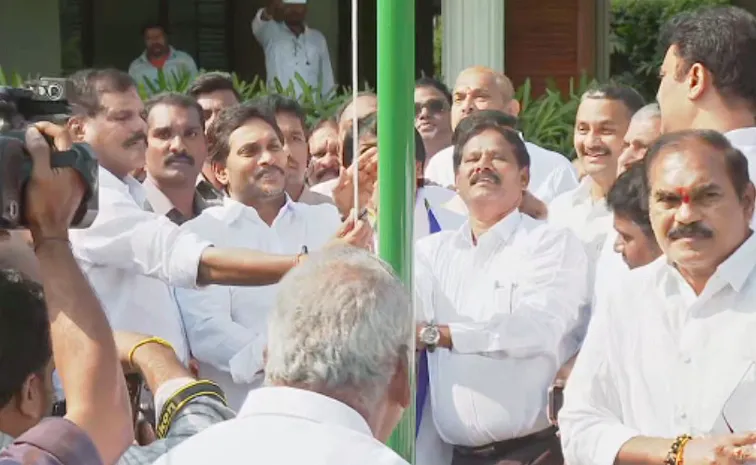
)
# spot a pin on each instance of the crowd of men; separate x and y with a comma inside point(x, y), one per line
point(238, 278)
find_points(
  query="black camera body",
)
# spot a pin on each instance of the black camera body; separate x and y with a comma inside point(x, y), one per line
point(41, 100)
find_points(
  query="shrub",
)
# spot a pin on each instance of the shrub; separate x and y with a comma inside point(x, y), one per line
point(549, 120)
point(635, 54)
point(313, 103)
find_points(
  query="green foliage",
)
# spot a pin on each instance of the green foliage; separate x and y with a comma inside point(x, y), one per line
point(549, 120)
point(634, 40)
point(12, 80)
point(315, 105)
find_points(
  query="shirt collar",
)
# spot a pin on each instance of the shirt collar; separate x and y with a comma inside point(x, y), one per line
point(735, 270)
point(742, 136)
point(162, 205)
point(5, 440)
point(171, 55)
point(299, 403)
point(503, 230)
point(236, 210)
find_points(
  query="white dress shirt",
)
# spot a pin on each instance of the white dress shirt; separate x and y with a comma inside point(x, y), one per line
point(744, 139)
point(286, 426)
point(550, 173)
point(227, 325)
point(131, 256)
point(509, 301)
point(660, 361)
point(287, 54)
point(610, 267)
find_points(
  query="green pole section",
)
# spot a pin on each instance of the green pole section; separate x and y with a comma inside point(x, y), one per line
point(396, 166)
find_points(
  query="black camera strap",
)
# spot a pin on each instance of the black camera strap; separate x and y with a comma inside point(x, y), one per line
point(181, 398)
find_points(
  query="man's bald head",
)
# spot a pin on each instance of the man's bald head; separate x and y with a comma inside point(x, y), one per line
point(481, 88)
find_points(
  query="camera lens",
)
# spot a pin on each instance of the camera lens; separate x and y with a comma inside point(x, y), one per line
point(54, 91)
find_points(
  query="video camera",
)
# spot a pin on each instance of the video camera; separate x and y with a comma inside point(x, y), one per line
point(39, 100)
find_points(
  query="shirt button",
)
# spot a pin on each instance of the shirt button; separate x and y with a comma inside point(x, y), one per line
point(686, 359)
point(683, 416)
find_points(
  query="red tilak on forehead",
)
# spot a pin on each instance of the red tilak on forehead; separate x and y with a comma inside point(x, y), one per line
point(684, 194)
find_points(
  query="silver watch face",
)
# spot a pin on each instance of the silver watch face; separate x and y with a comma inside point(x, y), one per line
point(430, 335)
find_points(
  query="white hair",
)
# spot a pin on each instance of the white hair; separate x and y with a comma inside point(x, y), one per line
point(342, 322)
point(649, 111)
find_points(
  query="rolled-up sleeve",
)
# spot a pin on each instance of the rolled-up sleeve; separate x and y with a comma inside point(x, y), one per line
point(126, 237)
point(551, 288)
point(214, 337)
point(592, 431)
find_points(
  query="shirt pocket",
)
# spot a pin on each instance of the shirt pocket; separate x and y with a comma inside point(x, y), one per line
point(504, 295)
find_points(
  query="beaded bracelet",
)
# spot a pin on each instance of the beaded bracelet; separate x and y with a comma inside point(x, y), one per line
point(675, 454)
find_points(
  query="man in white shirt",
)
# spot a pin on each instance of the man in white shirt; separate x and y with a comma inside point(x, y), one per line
point(214, 92)
point(291, 119)
point(325, 159)
point(126, 245)
point(644, 129)
point(292, 47)
point(251, 161)
point(433, 115)
point(337, 372)
point(430, 216)
point(481, 88)
point(365, 104)
point(159, 56)
point(498, 295)
point(602, 120)
point(670, 352)
point(176, 152)
point(721, 44)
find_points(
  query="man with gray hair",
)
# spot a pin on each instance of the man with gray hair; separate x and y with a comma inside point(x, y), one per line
point(337, 372)
point(644, 129)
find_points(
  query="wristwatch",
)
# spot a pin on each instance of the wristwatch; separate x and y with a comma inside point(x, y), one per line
point(430, 335)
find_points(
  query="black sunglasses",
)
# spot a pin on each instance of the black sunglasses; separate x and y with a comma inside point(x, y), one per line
point(433, 106)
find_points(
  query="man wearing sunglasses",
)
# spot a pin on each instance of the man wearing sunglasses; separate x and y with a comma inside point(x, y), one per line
point(433, 115)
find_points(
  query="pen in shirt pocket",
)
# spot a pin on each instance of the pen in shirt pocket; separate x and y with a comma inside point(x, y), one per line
point(498, 285)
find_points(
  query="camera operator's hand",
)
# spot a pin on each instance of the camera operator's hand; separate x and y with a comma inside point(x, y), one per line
point(52, 195)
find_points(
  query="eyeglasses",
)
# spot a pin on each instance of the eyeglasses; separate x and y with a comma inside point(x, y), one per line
point(433, 106)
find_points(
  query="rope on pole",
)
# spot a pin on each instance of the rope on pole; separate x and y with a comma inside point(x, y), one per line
point(355, 131)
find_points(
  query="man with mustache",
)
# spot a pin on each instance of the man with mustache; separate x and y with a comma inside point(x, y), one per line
point(132, 256)
point(626, 237)
point(480, 88)
point(323, 144)
point(498, 295)
point(601, 122)
point(176, 152)
point(226, 326)
point(291, 119)
point(365, 104)
point(214, 92)
point(666, 374)
point(159, 56)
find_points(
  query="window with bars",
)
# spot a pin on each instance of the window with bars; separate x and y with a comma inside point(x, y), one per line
point(202, 28)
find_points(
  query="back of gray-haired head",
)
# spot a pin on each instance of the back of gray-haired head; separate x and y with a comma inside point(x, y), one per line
point(650, 111)
point(342, 322)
